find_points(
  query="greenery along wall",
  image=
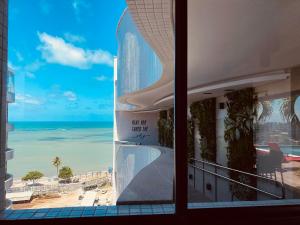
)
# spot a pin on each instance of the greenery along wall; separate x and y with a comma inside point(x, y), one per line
point(204, 116)
point(190, 138)
point(241, 153)
point(166, 128)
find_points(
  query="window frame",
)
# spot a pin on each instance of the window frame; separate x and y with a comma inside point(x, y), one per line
point(231, 215)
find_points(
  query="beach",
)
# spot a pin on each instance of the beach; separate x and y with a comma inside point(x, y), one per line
point(83, 146)
point(50, 193)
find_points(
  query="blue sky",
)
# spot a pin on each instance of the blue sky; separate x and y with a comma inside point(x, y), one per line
point(62, 54)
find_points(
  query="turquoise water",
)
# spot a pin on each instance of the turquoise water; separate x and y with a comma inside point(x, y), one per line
point(84, 146)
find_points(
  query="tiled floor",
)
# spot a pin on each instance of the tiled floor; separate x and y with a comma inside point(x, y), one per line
point(122, 210)
point(87, 211)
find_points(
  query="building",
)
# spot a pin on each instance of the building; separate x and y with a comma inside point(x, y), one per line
point(8, 153)
point(237, 77)
point(8, 96)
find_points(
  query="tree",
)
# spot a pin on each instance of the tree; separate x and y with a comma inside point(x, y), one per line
point(65, 173)
point(56, 162)
point(33, 176)
point(287, 109)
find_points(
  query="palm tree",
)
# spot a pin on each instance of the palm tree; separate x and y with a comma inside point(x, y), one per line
point(56, 162)
point(267, 110)
point(288, 110)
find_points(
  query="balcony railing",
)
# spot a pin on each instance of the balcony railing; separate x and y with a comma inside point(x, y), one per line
point(139, 67)
point(10, 87)
point(9, 153)
point(9, 127)
point(202, 165)
point(10, 98)
point(8, 181)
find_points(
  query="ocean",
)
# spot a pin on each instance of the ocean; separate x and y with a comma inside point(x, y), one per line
point(83, 146)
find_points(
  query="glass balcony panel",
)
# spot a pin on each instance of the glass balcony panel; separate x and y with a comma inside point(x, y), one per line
point(10, 87)
point(138, 65)
point(9, 153)
point(8, 181)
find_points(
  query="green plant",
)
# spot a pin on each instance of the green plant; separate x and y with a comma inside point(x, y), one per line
point(287, 109)
point(204, 115)
point(241, 153)
point(266, 110)
point(33, 176)
point(56, 162)
point(65, 173)
point(190, 138)
point(170, 128)
point(161, 123)
point(165, 125)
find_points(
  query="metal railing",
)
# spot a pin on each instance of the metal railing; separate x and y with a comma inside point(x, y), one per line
point(215, 173)
point(59, 187)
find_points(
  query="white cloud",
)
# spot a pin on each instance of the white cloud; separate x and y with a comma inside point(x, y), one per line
point(101, 78)
point(27, 70)
point(78, 5)
point(57, 50)
point(33, 67)
point(12, 66)
point(19, 56)
point(27, 99)
point(29, 75)
point(74, 38)
point(71, 96)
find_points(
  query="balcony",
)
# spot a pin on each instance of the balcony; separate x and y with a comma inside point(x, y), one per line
point(10, 98)
point(139, 67)
point(9, 153)
point(9, 127)
point(143, 174)
point(8, 181)
point(10, 87)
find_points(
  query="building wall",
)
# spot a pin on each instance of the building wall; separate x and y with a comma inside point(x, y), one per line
point(140, 128)
point(214, 189)
point(3, 109)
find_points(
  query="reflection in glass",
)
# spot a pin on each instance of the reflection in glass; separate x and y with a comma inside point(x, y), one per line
point(243, 123)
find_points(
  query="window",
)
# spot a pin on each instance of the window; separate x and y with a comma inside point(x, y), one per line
point(243, 105)
point(201, 147)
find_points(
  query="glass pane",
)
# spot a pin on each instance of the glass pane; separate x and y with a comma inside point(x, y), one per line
point(143, 126)
point(243, 88)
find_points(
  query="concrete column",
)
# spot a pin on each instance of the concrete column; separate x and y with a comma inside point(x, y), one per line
point(3, 108)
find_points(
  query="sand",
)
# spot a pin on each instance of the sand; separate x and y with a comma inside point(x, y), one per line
point(67, 199)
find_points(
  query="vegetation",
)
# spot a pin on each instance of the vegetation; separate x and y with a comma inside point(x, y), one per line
point(32, 176)
point(65, 173)
point(166, 128)
point(266, 110)
point(241, 153)
point(288, 113)
point(204, 115)
point(56, 162)
point(190, 138)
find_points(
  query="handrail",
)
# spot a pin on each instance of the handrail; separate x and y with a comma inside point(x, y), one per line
point(235, 170)
point(237, 182)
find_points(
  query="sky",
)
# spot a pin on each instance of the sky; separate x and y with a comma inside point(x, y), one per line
point(62, 54)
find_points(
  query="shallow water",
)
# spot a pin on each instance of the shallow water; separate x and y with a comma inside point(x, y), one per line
point(83, 146)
